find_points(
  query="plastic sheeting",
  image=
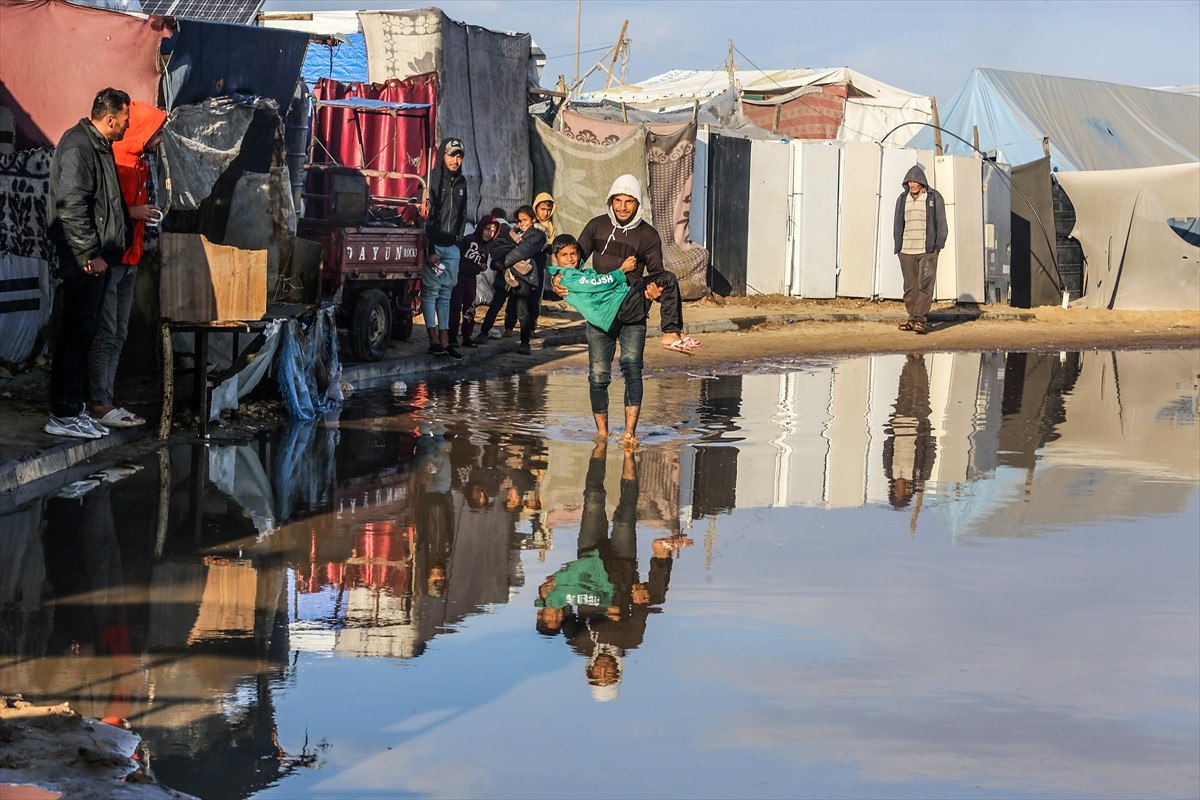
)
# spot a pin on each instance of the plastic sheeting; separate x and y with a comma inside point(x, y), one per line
point(482, 97)
point(1135, 259)
point(1035, 279)
point(1092, 125)
point(200, 142)
point(232, 389)
point(215, 59)
point(345, 62)
point(307, 366)
point(26, 300)
point(55, 56)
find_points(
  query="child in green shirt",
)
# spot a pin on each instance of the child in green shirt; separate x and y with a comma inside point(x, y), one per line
point(604, 298)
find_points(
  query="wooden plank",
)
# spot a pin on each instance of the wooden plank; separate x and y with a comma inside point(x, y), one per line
point(204, 282)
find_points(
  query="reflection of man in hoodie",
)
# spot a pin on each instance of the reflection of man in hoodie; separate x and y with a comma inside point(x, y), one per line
point(608, 241)
point(919, 230)
point(910, 447)
point(604, 629)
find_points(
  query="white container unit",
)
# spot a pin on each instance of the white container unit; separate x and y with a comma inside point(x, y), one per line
point(961, 264)
point(896, 162)
point(767, 265)
point(813, 246)
point(858, 214)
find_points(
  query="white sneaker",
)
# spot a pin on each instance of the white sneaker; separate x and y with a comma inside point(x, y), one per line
point(76, 427)
point(494, 333)
point(96, 426)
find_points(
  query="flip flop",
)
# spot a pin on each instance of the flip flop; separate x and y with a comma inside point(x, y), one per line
point(680, 346)
point(919, 327)
point(907, 326)
point(121, 418)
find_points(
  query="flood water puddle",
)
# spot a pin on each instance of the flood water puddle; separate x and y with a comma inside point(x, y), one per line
point(946, 575)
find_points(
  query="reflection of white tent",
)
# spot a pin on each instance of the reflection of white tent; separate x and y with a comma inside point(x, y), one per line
point(1092, 125)
point(1136, 260)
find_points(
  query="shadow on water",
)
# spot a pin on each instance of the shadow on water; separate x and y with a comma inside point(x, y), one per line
point(193, 594)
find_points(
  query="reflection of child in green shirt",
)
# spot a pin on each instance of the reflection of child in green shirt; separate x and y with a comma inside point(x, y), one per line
point(582, 582)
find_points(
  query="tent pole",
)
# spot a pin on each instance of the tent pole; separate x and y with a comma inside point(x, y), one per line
point(1046, 145)
point(937, 127)
point(616, 52)
point(578, 18)
point(975, 137)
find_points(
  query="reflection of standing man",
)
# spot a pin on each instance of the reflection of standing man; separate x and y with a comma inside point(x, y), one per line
point(90, 226)
point(909, 451)
point(919, 230)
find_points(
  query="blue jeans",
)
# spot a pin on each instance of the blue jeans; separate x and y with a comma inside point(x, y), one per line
point(601, 348)
point(436, 287)
point(110, 334)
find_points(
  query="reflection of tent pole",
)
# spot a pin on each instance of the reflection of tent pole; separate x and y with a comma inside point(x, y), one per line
point(710, 541)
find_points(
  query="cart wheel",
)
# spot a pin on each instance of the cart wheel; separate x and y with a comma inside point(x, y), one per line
point(370, 325)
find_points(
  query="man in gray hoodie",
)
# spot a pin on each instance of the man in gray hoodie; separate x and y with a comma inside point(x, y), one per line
point(920, 232)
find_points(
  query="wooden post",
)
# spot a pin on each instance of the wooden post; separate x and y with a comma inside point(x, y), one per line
point(168, 380)
point(975, 137)
point(624, 112)
point(578, 19)
point(695, 110)
point(775, 123)
point(1046, 145)
point(616, 52)
point(937, 127)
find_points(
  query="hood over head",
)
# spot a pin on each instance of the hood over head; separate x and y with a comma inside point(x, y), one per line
point(626, 184)
point(144, 121)
point(915, 173)
point(543, 197)
point(484, 221)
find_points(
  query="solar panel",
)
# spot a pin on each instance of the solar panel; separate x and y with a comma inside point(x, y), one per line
point(244, 12)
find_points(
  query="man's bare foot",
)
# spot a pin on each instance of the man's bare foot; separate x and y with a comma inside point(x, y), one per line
point(679, 343)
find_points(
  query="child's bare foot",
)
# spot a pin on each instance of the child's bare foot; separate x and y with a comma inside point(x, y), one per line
point(679, 343)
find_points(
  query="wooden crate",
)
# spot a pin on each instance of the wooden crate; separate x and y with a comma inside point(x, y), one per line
point(205, 282)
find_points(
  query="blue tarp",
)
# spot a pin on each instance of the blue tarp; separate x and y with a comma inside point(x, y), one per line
point(215, 59)
point(1092, 125)
point(345, 63)
point(367, 104)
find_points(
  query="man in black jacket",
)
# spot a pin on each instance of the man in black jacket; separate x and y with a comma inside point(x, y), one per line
point(443, 229)
point(90, 227)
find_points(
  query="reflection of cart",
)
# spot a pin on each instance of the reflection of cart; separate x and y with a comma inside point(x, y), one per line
point(365, 200)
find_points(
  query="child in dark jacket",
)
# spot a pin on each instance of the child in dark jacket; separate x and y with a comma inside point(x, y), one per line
point(524, 266)
point(473, 261)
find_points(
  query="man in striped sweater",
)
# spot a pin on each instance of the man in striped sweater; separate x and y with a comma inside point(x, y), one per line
point(920, 232)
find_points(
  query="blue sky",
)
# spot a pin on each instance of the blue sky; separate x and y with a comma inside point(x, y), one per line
point(927, 48)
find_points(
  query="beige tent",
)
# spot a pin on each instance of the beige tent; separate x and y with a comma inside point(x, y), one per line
point(1135, 258)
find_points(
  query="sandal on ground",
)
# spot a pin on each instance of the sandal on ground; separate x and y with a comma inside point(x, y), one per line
point(919, 327)
point(907, 326)
point(121, 418)
point(684, 346)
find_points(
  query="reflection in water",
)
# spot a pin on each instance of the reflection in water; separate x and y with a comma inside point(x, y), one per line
point(598, 600)
point(201, 597)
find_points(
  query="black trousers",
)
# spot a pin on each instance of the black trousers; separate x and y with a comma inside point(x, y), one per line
point(635, 308)
point(79, 316)
point(529, 304)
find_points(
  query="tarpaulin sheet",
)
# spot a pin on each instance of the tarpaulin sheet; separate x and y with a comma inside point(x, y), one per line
point(482, 94)
point(579, 174)
point(1092, 125)
point(26, 300)
point(200, 142)
point(55, 57)
point(215, 59)
point(390, 143)
point(1135, 258)
point(1035, 278)
point(345, 62)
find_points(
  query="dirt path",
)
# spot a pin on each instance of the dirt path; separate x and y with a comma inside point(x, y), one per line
point(1047, 329)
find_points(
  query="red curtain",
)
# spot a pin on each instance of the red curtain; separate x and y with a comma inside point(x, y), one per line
point(392, 144)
